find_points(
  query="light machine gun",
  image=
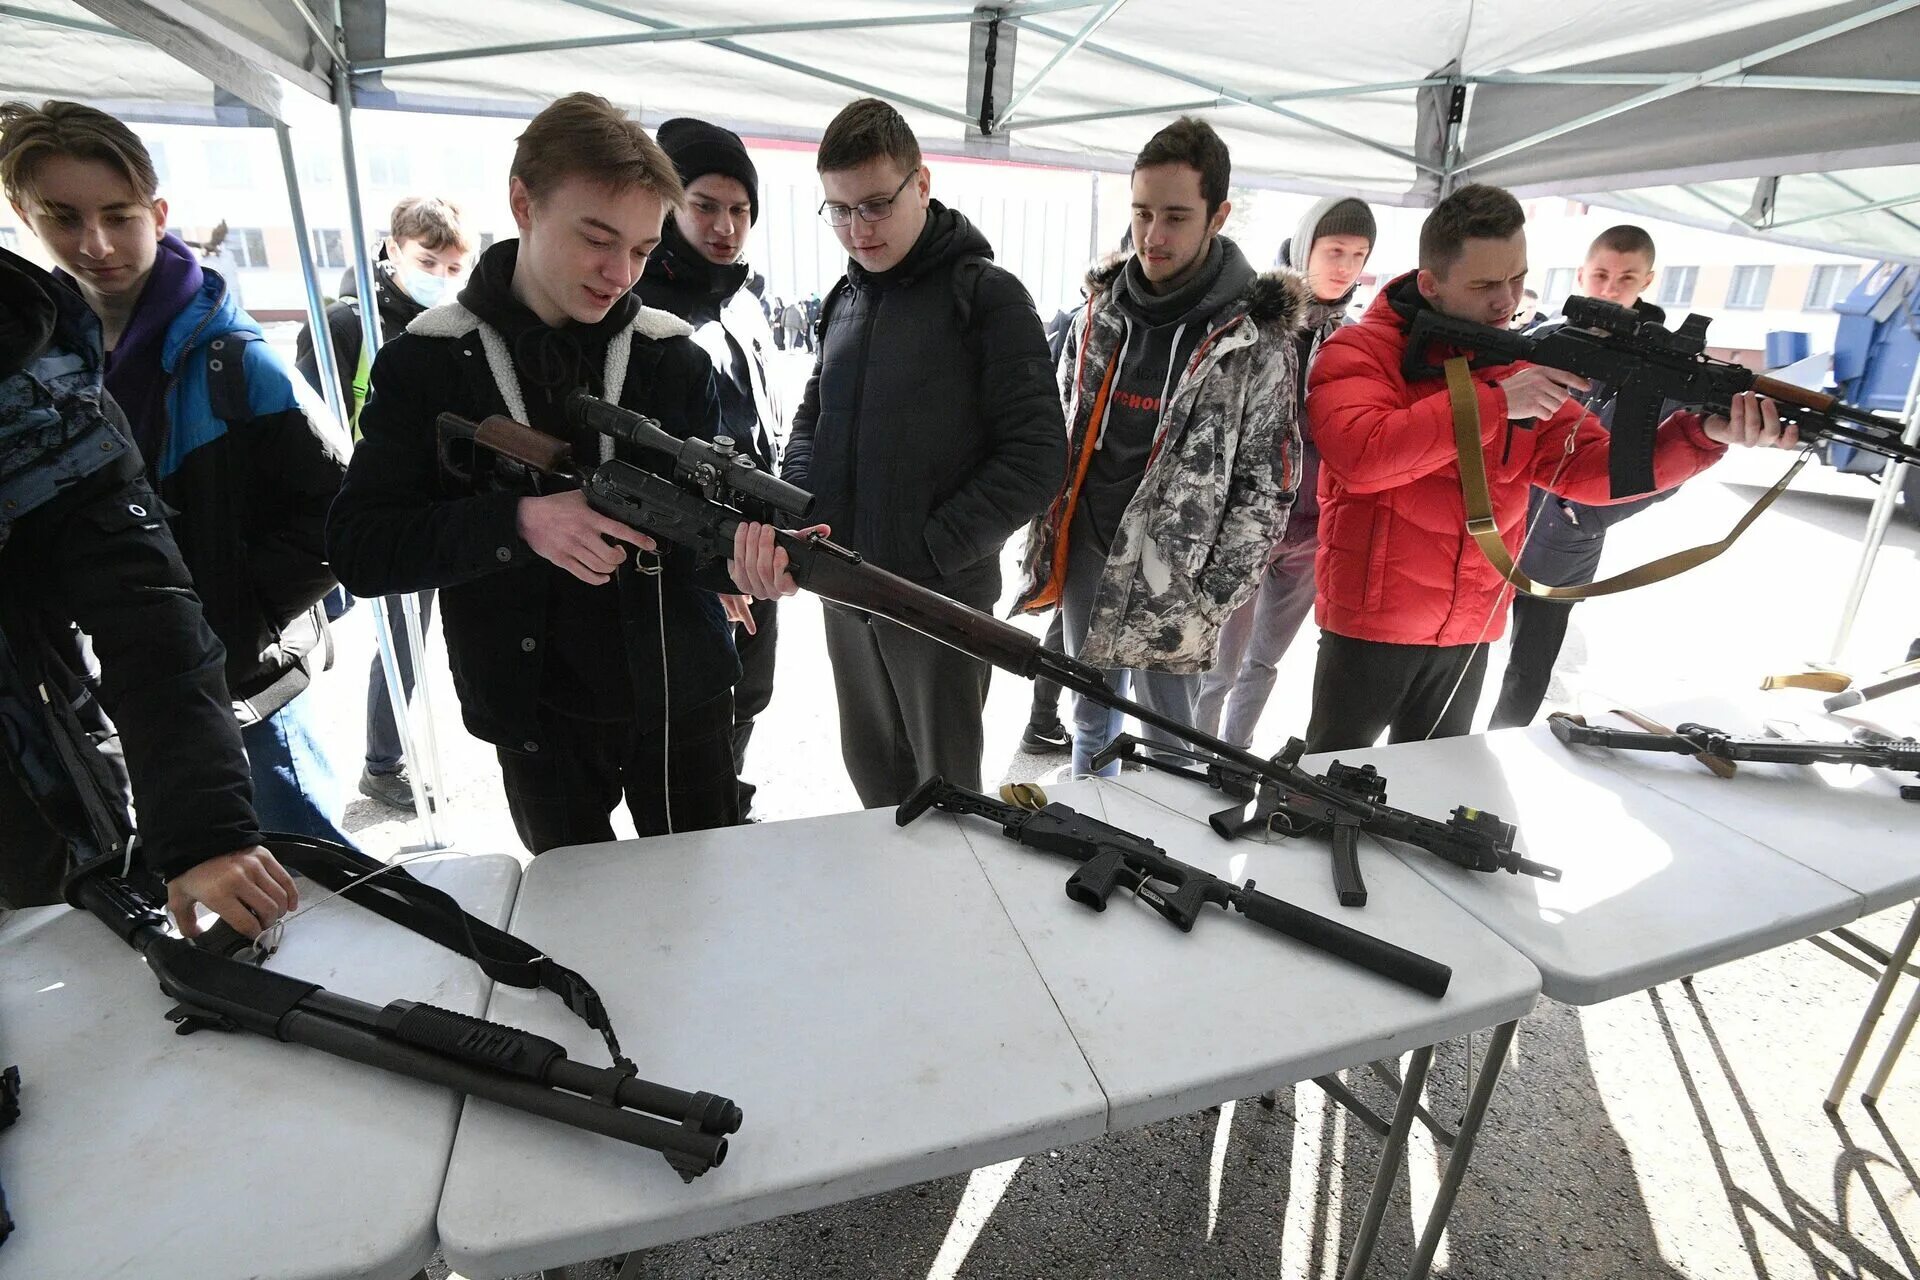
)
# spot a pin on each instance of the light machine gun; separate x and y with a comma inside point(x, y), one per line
point(1645, 366)
point(712, 490)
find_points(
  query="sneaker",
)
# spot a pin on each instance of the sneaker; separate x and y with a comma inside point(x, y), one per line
point(1047, 737)
point(395, 790)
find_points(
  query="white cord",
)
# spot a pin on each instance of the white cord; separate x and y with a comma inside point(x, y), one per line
point(271, 937)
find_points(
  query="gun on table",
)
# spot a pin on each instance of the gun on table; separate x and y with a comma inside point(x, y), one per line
point(1645, 366)
point(489, 1060)
point(1470, 838)
point(1901, 755)
point(1112, 858)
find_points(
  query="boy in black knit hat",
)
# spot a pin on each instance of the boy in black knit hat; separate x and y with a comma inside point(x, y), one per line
point(700, 274)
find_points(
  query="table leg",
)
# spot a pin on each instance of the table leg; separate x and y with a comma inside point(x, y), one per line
point(1331, 1086)
point(1893, 1050)
point(1441, 1133)
point(1392, 1156)
point(1882, 992)
point(1490, 1068)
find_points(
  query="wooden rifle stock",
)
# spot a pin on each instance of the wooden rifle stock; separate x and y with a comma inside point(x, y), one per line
point(515, 441)
point(834, 573)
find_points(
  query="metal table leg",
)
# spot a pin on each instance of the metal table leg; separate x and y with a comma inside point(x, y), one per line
point(1360, 1111)
point(1392, 1156)
point(1893, 1050)
point(1882, 992)
point(1490, 1068)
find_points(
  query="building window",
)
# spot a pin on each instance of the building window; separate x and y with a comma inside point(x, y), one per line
point(1748, 289)
point(228, 165)
point(1676, 286)
point(388, 168)
point(1830, 284)
point(157, 151)
point(485, 242)
point(10, 239)
point(248, 247)
point(1554, 294)
point(329, 249)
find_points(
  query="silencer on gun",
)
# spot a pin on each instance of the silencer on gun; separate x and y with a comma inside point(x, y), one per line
point(713, 461)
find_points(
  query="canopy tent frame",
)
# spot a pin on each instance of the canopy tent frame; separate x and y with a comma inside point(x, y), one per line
point(243, 68)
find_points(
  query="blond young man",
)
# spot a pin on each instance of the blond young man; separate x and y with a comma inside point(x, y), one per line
point(598, 664)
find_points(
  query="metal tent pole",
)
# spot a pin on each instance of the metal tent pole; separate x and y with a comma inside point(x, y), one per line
point(425, 763)
point(316, 303)
point(1890, 483)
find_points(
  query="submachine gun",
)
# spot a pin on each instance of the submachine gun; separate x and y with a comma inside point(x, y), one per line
point(1353, 799)
point(1902, 755)
point(708, 489)
point(217, 990)
point(1112, 858)
point(1644, 366)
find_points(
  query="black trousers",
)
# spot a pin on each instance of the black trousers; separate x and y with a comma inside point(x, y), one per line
point(1559, 553)
point(755, 690)
point(1364, 687)
point(565, 794)
point(909, 706)
point(34, 860)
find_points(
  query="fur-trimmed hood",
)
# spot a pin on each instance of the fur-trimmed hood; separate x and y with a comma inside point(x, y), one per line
point(1277, 300)
point(454, 320)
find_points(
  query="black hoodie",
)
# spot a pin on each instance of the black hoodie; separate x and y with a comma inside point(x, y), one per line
point(931, 428)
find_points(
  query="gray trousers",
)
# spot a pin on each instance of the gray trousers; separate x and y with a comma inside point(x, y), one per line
point(1094, 726)
point(1252, 643)
point(909, 706)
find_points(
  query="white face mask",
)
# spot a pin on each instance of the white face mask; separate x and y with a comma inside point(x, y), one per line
point(423, 287)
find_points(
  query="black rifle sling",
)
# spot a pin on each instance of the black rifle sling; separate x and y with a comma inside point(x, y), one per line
point(1484, 529)
point(433, 914)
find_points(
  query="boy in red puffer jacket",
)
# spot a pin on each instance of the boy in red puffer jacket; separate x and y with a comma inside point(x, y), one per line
point(1407, 604)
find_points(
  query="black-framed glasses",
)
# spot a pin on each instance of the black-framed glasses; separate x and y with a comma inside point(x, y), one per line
point(839, 215)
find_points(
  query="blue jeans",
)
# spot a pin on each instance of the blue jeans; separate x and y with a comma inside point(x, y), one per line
point(1094, 726)
point(295, 786)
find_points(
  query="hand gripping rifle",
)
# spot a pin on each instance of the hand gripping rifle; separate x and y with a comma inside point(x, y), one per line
point(486, 1059)
point(1899, 754)
point(1111, 858)
point(1352, 799)
point(1645, 366)
point(713, 490)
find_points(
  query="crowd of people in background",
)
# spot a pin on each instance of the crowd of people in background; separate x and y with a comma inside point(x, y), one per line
point(1197, 456)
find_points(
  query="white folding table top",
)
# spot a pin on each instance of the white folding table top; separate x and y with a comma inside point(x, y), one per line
point(1848, 824)
point(857, 988)
point(1652, 890)
point(214, 1156)
point(1172, 1022)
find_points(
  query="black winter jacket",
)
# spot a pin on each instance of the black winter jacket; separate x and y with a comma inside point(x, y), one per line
point(931, 428)
point(405, 523)
point(82, 542)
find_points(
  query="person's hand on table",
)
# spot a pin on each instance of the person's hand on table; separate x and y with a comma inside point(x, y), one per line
point(249, 889)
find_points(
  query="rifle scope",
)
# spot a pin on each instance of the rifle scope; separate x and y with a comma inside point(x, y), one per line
point(1598, 313)
point(712, 463)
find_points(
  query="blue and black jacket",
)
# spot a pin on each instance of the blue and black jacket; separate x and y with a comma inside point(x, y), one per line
point(248, 462)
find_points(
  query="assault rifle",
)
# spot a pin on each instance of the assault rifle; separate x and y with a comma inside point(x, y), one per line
point(1645, 366)
point(1471, 838)
point(1902, 755)
point(1112, 858)
point(515, 1068)
point(713, 490)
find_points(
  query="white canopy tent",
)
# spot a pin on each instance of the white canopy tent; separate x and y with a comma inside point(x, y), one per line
point(1793, 118)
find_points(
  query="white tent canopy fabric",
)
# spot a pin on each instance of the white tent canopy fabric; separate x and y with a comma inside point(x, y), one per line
point(1392, 99)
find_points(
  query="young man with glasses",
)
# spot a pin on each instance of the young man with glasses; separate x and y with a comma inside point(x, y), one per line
point(929, 432)
point(700, 274)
